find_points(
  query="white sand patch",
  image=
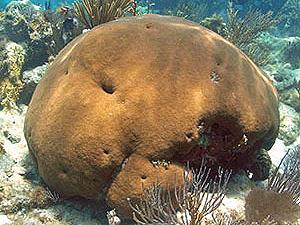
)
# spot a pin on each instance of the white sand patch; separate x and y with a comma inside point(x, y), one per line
point(11, 133)
point(277, 152)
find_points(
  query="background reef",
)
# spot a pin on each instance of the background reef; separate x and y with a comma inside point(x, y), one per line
point(32, 33)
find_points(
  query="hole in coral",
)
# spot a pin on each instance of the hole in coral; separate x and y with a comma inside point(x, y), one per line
point(219, 61)
point(189, 135)
point(67, 72)
point(106, 152)
point(149, 25)
point(108, 88)
point(144, 177)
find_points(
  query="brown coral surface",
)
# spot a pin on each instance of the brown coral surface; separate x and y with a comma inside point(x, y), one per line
point(124, 99)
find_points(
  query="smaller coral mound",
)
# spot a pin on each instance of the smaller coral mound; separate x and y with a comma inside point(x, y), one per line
point(182, 205)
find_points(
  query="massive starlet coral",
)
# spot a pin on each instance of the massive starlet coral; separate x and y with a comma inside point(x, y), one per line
point(132, 100)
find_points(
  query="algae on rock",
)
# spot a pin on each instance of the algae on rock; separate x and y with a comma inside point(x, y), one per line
point(10, 77)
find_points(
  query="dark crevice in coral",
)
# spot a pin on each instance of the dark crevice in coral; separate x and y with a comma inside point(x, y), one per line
point(106, 151)
point(108, 88)
point(189, 135)
point(149, 25)
point(220, 142)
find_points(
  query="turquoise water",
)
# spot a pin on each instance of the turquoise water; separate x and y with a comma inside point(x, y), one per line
point(273, 5)
point(40, 3)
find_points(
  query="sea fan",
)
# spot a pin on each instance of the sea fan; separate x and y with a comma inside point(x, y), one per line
point(186, 205)
point(94, 12)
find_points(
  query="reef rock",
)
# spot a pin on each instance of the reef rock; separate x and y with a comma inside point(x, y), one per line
point(132, 100)
point(30, 79)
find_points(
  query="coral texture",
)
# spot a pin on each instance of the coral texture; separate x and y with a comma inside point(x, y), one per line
point(132, 100)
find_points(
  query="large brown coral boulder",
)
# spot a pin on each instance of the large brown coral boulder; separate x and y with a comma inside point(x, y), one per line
point(123, 100)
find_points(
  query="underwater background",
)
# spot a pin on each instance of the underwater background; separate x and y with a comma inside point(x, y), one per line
point(32, 35)
point(55, 4)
